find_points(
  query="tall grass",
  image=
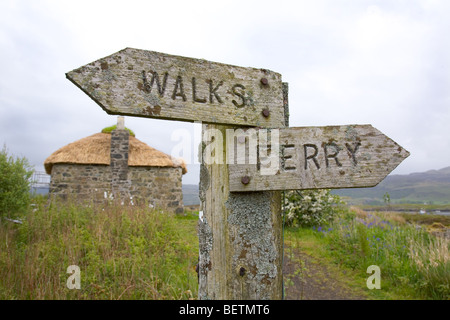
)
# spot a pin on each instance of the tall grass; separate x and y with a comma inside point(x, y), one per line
point(122, 252)
point(413, 262)
point(432, 262)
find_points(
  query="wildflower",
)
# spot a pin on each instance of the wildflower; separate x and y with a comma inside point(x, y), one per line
point(291, 215)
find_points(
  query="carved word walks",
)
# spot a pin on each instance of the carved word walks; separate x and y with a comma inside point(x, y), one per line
point(198, 91)
point(157, 85)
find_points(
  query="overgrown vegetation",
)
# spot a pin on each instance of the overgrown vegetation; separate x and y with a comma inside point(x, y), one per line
point(310, 207)
point(15, 174)
point(114, 127)
point(139, 253)
point(122, 252)
point(413, 263)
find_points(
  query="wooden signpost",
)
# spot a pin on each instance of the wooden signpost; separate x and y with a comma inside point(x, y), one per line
point(150, 84)
point(331, 157)
point(240, 241)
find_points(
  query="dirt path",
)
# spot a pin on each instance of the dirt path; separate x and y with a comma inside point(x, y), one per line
point(305, 278)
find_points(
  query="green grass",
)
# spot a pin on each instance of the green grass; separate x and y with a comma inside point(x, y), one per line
point(123, 253)
point(413, 263)
point(306, 240)
point(138, 253)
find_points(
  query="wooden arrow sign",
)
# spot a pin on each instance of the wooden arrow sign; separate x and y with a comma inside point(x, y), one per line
point(156, 85)
point(328, 157)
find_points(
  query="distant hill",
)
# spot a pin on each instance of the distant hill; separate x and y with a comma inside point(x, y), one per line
point(431, 187)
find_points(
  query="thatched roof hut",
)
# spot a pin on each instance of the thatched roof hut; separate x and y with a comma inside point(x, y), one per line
point(116, 165)
point(95, 149)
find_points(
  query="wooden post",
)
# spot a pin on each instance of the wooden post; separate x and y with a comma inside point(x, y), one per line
point(240, 234)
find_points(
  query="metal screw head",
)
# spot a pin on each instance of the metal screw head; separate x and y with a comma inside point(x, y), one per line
point(242, 271)
point(245, 180)
point(266, 113)
point(264, 81)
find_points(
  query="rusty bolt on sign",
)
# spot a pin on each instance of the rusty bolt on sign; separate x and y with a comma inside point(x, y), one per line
point(266, 113)
point(264, 81)
point(245, 180)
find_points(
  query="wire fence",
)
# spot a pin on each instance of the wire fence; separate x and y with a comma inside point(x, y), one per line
point(40, 182)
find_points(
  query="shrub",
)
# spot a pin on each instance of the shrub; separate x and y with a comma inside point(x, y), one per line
point(310, 207)
point(15, 174)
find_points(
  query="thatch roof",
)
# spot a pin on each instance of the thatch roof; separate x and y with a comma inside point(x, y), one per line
point(95, 149)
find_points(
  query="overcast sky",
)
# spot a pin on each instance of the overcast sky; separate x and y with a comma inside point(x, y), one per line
point(385, 63)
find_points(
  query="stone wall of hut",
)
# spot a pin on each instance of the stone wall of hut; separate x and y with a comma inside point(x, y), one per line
point(159, 187)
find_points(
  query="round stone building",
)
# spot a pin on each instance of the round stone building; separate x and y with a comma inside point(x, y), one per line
point(116, 165)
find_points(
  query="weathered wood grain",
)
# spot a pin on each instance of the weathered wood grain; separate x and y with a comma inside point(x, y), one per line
point(350, 156)
point(156, 85)
point(240, 234)
point(240, 243)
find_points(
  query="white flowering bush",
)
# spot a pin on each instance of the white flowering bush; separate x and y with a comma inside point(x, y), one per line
point(310, 207)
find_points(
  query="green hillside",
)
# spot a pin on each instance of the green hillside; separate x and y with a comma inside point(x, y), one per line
point(432, 187)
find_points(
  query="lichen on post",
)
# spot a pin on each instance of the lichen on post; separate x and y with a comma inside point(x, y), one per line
point(240, 234)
